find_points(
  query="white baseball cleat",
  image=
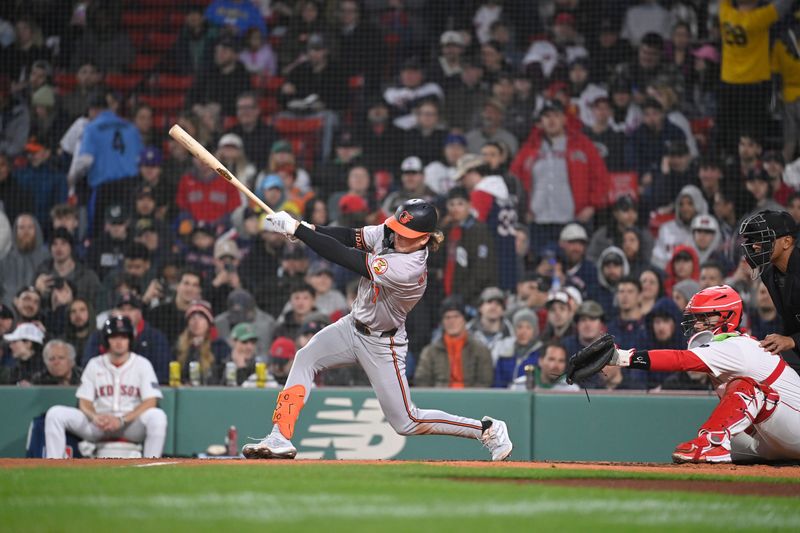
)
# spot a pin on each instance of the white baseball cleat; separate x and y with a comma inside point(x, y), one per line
point(496, 439)
point(273, 446)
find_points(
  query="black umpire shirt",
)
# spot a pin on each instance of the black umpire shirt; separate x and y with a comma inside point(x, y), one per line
point(784, 289)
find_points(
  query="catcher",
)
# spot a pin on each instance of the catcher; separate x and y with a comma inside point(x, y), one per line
point(758, 416)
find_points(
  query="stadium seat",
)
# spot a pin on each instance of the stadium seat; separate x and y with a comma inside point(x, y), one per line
point(139, 19)
point(143, 63)
point(173, 82)
point(268, 105)
point(65, 81)
point(305, 136)
point(168, 103)
point(228, 122)
point(161, 42)
point(123, 82)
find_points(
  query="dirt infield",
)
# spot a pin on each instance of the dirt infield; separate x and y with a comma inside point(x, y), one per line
point(768, 471)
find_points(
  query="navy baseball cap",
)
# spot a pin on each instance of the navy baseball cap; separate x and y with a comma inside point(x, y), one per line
point(150, 157)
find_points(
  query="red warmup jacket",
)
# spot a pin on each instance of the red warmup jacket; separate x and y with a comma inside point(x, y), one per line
point(206, 201)
point(588, 176)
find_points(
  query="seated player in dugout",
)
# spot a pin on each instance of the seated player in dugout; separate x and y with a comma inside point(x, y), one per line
point(770, 248)
point(758, 416)
point(391, 260)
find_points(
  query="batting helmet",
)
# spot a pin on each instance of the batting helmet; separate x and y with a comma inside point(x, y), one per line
point(720, 301)
point(117, 325)
point(760, 231)
point(413, 219)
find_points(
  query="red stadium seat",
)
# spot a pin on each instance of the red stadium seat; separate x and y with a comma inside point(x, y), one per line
point(162, 121)
point(65, 81)
point(161, 42)
point(143, 63)
point(268, 106)
point(168, 103)
point(173, 82)
point(228, 122)
point(138, 38)
point(123, 82)
point(274, 84)
point(305, 136)
point(140, 19)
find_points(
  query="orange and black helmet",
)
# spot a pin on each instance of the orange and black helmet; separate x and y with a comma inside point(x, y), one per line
point(413, 219)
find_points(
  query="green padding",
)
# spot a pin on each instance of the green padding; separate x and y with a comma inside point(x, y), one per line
point(19, 405)
point(615, 427)
point(346, 423)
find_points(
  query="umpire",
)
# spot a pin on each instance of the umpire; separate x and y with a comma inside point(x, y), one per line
point(770, 248)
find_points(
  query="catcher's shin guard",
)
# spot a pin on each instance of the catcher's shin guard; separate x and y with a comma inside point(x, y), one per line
point(290, 403)
point(744, 403)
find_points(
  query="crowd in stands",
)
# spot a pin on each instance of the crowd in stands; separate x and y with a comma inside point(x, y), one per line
point(590, 160)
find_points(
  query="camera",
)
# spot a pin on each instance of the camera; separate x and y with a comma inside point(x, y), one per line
point(58, 283)
point(230, 267)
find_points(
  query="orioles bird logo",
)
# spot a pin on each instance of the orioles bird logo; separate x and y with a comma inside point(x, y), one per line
point(405, 217)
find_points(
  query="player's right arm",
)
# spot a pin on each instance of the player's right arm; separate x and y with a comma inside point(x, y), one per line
point(333, 250)
point(660, 360)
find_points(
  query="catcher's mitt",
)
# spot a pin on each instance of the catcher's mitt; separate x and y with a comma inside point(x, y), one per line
point(591, 359)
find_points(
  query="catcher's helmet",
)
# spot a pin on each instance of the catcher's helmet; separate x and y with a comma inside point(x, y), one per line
point(117, 325)
point(413, 219)
point(720, 301)
point(760, 231)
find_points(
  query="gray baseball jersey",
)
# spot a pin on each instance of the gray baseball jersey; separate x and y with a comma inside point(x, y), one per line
point(397, 282)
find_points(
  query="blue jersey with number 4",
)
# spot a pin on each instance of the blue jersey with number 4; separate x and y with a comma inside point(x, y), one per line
point(115, 145)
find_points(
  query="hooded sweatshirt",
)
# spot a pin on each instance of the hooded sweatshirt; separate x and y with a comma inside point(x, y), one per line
point(676, 231)
point(670, 280)
point(605, 293)
point(666, 306)
point(18, 267)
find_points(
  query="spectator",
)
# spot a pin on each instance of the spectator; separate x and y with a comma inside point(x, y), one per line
point(625, 215)
point(80, 324)
point(608, 50)
point(43, 179)
point(522, 351)
point(652, 289)
point(27, 306)
point(107, 252)
point(665, 89)
point(590, 325)
point(648, 16)
point(222, 80)
point(425, 138)
point(682, 265)
point(199, 343)
point(281, 357)
point(258, 57)
point(774, 166)
point(531, 293)
point(749, 152)
point(551, 366)
point(559, 317)
point(494, 206)
point(760, 191)
point(103, 416)
point(725, 212)
point(241, 308)
point(27, 252)
point(25, 343)
point(259, 270)
point(358, 184)
point(647, 145)
point(612, 266)
point(381, 138)
point(26, 49)
point(87, 89)
point(764, 318)
point(332, 175)
point(446, 70)
point(103, 43)
point(440, 174)
point(683, 291)
point(169, 316)
point(65, 216)
point(563, 186)
point(675, 172)
point(15, 123)
point(301, 303)
point(205, 196)
point(54, 308)
point(162, 190)
point(578, 269)
point(709, 178)
point(59, 360)
point(199, 252)
point(609, 142)
point(647, 66)
point(470, 263)
point(14, 198)
point(254, 133)
point(227, 258)
point(148, 341)
point(628, 327)
point(711, 274)
point(193, 46)
point(786, 65)
point(243, 354)
point(412, 182)
point(328, 299)
point(490, 327)
point(457, 359)
point(109, 155)
point(703, 91)
point(493, 61)
point(582, 92)
point(491, 128)
point(136, 271)
point(412, 88)
point(627, 115)
point(465, 97)
point(663, 326)
point(690, 202)
point(63, 266)
point(306, 20)
point(353, 35)
point(707, 240)
point(746, 87)
point(47, 121)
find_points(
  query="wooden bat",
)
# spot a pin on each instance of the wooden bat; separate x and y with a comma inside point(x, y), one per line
point(197, 150)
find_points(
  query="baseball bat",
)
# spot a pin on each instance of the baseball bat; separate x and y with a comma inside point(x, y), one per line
point(199, 151)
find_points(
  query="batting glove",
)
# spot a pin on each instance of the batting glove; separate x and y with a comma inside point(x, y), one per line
point(280, 222)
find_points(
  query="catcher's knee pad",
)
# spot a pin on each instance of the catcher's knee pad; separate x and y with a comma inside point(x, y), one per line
point(290, 403)
point(744, 403)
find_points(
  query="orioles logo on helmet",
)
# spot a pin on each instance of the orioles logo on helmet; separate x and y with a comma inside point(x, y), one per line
point(405, 217)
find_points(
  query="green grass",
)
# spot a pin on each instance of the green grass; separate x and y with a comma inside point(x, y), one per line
point(414, 497)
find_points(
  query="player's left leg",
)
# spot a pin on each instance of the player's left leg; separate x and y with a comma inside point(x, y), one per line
point(383, 360)
point(744, 403)
point(151, 429)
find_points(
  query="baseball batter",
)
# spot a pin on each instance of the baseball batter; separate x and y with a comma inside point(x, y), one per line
point(391, 259)
point(758, 416)
point(117, 399)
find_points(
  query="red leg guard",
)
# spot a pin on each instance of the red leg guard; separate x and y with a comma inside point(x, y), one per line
point(745, 402)
point(290, 403)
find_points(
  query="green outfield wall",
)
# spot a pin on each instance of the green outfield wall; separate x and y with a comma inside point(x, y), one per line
point(348, 423)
